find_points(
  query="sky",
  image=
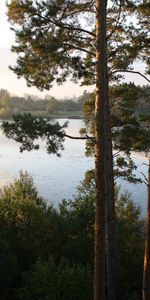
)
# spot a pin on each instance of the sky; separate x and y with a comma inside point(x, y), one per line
point(9, 80)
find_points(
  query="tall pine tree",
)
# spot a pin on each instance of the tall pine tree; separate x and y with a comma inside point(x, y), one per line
point(57, 39)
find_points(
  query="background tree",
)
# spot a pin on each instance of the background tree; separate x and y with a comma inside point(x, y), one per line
point(52, 105)
point(6, 107)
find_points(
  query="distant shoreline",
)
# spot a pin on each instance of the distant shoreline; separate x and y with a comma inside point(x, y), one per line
point(62, 115)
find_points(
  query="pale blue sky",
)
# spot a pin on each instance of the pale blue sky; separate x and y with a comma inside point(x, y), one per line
point(9, 81)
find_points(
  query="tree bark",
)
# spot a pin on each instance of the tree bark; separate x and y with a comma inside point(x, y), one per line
point(101, 94)
point(110, 213)
point(146, 271)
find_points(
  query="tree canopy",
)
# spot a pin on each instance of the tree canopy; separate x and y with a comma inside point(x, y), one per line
point(56, 39)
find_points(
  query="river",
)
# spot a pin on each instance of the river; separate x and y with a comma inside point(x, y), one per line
point(57, 178)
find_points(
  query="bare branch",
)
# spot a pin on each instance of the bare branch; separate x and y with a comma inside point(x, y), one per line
point(117, 153)
point(60, 24)
point(144, 177)
point(80, 11)
point(116, 177)
point(145, 183)
point(69, 27)
point(79, 48)
point(130, 71)
point(114, 104)
point(117, 22)
point(79, 137)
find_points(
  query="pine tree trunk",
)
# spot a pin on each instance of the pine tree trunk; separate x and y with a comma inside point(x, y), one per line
point(146, 272)
point(101, 94)
point(110, 213)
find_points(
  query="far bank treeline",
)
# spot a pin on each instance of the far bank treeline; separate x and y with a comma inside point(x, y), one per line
point(66, 107)
point(49, 105)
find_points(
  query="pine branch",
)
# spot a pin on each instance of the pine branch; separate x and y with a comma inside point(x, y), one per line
point(81, 10)
point(146, 164)
point(65, 26)
point(26, 129)
point(146, 181)
point(72, 28)
point(117, 22)
point(79, 48)
point(117, 153)
point(79, 137)
point(130, 71)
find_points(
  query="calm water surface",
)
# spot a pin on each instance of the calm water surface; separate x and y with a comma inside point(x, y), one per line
point(57, 178)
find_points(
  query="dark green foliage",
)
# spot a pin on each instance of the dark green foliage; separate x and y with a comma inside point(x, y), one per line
point(79, 221)
point(133, 131)
point(47, 253)
point(130, 130)
point(9, 274)
point(124, 167)
point(26, 129)
point(130, 252)
point(124, 101)
point(31, 234)
point(57, 282)
point(24, 218)
point(133, 138)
